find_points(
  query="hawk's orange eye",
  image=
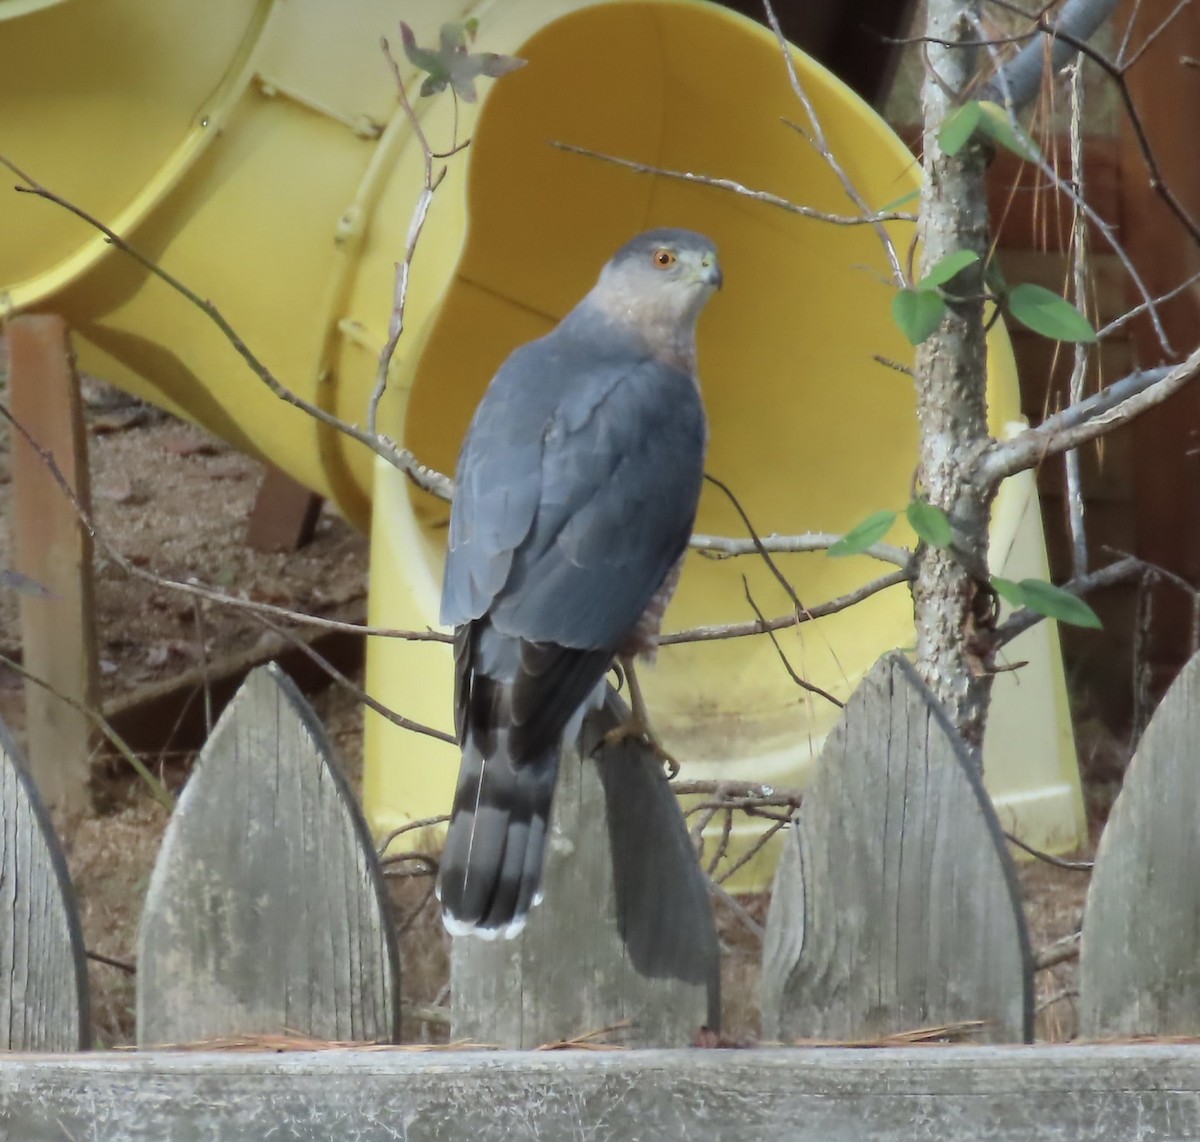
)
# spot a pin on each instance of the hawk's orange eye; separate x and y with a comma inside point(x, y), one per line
point(663, 259)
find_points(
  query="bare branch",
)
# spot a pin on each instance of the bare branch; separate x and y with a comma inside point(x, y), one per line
point(193, 587)
point(1049, 858)
point(803, 683)
point(1117, 572)
point(742, 190)
point(1119, 403)
point(353, 688)
point(722, 547)
point(821, 145)
point(1059, 952)
point(742, 630)
point(421, 475)
point(416, 224)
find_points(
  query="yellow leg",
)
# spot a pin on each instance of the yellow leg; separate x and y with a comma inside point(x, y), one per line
point(638, 723)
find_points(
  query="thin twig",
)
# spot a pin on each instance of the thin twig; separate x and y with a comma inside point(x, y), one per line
point(821, 145)
point(724, 547)
point(746, 629)
point(1059, 952)
point(421, 475)
point(741, 189)
point(736, 910)
point(192, 586)
point(157, 789)
point(108, 961)
point(353, 687)
point(803, 683)
point(430, 183)
point(1049, 858)
point(780, 577)
point(751, 852)
point(1116, 71)
point(400, 830)
point(1079, 363)
point(1022, 620)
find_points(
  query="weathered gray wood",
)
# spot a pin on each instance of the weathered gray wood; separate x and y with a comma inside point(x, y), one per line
point(895, 905)
point(1139, 965)
point(266, 910)
point(625, 930)
point(43, 969)
point(984, 1094)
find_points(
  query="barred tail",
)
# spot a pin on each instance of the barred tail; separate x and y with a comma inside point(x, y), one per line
point(491, 870)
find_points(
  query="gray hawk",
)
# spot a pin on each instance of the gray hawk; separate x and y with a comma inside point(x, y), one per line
point(575, 494)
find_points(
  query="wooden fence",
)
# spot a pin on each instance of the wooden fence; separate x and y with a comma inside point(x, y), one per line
point(895, 906)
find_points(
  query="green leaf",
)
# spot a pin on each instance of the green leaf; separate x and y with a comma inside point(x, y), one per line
point(918, 312)
point(859, 538)
point(959, 126)
point(1055, 603)
point(1048, 314)
point(1001, 128)
point(930, 523)
point(903, 200)
point(1009, 591)
point(945, 268)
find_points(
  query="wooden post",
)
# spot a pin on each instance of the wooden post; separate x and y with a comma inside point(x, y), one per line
point(267, 910)
point(625, 931)
point(895, 903)
point(54, 550)
point(43, 972)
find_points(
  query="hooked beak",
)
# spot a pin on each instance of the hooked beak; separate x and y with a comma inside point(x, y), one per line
point(710, 272)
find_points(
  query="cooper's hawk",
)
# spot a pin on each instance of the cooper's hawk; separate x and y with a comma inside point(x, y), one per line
point(575, 495)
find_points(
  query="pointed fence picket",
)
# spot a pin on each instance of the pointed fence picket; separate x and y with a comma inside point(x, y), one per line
point(266, 910)
point(894, 906)
point(895, 903)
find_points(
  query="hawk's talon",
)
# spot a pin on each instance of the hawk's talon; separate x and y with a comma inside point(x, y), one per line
point(637, 728)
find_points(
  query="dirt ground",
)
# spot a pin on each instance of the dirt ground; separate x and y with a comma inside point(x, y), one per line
point(176, 501)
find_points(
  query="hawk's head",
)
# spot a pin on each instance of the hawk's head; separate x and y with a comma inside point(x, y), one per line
point(657, 284)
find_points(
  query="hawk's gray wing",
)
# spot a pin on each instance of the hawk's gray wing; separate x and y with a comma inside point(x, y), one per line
point(576, 494)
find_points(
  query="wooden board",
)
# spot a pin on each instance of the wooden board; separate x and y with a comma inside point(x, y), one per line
point(285, 513)
point(625, 931)
point(168, 714)
point(266, 909)
point(43, 972)
point(1139, 968)
point(895, 905)
point(985, 1094)
point(53, 549)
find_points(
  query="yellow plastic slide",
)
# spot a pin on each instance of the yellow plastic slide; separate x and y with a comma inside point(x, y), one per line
point(256, 150)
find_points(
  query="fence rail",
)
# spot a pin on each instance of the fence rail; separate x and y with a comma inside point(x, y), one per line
point(895, 905)
point(986, 1094)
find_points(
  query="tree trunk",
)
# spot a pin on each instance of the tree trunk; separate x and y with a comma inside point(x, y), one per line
point(952, 610)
